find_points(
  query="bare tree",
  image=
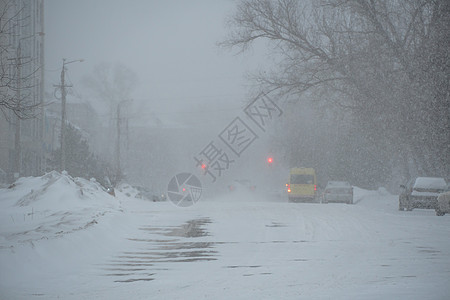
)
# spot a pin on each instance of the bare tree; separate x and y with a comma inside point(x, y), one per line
point(113, 85)
point(16, 70)
point(386, 62)
point(409, 77)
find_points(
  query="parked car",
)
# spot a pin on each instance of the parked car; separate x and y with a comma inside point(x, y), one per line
point(242, 185)
point(338, 191)
point(421, 192)
point(443, 204)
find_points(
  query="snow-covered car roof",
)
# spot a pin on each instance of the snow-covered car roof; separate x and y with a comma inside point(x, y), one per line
point(430, 183)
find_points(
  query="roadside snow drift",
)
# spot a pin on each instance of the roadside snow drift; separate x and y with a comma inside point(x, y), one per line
point(50, 206)
point(65, 238)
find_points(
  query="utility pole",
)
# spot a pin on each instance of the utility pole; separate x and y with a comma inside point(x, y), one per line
point(119, 168)
point(118, 143)
point(63, 86)
point(62, 162)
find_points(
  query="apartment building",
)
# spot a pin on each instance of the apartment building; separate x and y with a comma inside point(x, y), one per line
point(22, 61)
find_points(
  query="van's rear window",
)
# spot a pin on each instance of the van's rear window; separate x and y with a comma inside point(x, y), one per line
point(302, 179)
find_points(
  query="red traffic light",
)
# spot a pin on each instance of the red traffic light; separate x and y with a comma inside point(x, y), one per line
point(269, 160)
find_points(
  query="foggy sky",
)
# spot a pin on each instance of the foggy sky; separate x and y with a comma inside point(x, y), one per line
point(171, 45)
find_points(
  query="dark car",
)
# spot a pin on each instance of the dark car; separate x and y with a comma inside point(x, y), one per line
point(421, 192)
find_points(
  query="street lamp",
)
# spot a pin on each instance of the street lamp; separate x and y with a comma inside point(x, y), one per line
point(63, 112)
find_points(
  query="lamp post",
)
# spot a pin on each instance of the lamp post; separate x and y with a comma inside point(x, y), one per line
point(63, 113)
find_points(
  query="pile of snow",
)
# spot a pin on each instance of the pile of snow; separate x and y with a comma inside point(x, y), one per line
point(50, 206)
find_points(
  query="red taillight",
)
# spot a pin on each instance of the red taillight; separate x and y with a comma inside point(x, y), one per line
point(289, 187)
point(289, 190)
point(315, 187)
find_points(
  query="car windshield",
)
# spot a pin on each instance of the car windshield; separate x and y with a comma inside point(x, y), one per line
point(245, 182)
point(302, 179)
point(338, 190)
point(431, 190)
point(332, 184)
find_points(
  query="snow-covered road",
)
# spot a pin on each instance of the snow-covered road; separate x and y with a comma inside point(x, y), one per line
point(239, 247)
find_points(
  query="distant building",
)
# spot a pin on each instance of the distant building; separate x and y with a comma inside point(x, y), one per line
point(21, 147)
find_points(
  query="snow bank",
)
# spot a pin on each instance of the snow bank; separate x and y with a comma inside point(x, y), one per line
point(50, 206)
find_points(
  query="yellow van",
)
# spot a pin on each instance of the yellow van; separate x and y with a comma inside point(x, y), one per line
point(302, 185)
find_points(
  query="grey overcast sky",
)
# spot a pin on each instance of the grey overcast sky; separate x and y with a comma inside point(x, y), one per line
point(170, 45)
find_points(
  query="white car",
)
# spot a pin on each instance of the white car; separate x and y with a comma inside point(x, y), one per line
point(338, 191)
point(421, 192)
point(443, 204)
point(242, 185)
